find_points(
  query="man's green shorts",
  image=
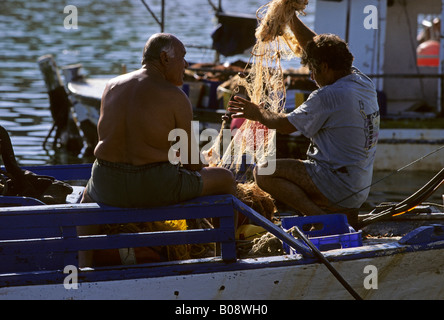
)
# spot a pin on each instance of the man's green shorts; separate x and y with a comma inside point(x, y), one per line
point(157, 184)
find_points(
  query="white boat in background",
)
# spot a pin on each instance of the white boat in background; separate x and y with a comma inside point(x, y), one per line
point(382, 34)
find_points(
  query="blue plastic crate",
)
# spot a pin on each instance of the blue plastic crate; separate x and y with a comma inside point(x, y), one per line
point(330, 232)
point(325, 225)
point(339, 241)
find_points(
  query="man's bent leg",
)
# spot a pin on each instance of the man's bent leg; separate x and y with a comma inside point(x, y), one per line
point(292, 185)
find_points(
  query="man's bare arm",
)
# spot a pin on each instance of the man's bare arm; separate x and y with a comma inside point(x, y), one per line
point(302, 33)
point(277, 121)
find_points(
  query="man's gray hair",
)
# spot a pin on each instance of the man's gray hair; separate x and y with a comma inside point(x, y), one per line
point(157, 44)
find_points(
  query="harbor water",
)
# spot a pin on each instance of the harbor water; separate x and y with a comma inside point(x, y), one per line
point(109, 34)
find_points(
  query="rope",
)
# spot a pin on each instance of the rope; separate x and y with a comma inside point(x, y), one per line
point(408, 204)
point(393, 173)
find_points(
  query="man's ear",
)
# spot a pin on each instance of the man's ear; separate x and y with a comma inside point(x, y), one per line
point(164, 59)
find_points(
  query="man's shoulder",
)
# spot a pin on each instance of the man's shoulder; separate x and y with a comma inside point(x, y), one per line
point(176, 93)
point(121, 80)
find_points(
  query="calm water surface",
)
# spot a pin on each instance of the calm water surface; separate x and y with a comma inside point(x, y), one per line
point(110, 33)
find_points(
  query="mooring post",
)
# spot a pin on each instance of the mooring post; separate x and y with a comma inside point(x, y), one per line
point(60, 106)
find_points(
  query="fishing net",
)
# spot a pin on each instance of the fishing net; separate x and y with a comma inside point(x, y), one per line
point(173, 252)
point(254, 197)
point(264, 84)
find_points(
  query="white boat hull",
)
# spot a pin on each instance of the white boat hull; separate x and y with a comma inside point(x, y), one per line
point(400, 147)
point(401, 276)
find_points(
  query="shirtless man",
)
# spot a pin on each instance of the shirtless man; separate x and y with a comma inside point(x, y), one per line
point(138, 112)
point(342, 120)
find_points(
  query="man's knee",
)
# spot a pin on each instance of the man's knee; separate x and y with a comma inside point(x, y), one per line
point(218, 181)
point(227, 178)
point(86, 198)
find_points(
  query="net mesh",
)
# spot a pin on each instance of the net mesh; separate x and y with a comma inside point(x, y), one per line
point(264, 84)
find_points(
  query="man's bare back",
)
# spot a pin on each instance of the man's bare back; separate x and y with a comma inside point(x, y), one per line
point(152, 107)
point(140, 109)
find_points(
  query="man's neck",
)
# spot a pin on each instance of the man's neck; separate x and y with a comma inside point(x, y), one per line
point(153, 70)
point(337, 75)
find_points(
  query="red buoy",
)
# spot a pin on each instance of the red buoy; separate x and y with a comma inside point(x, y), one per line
point(428, 54)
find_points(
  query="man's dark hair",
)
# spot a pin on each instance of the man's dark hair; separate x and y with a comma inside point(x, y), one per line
point(156, 44)
point(329, 49)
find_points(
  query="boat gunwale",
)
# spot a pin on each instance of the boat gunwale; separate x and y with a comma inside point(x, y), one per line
point(209, 265)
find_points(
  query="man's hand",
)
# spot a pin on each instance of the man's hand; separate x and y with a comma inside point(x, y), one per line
point(243, 108)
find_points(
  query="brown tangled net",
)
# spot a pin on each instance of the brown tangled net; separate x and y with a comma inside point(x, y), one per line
point(173, 252)
point(274, 18)
point(254, 197)
point(264, 85)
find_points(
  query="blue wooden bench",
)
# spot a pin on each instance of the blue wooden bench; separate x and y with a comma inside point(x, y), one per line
point(44, 238)
point(34, 238)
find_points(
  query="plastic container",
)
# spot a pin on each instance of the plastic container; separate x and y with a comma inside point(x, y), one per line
point(327, 232)
point(428, 54)
point(324, 225)
point(249, 232)
point(341, 241)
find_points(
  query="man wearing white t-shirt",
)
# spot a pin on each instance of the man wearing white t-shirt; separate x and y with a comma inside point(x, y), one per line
point(341, 119)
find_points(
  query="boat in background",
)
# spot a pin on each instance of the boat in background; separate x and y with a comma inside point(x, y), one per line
point(382, 34)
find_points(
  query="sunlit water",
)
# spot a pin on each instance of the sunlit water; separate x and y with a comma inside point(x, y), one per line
point(110, 33)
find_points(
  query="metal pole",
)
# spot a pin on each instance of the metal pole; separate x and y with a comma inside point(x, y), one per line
point(162, 26)
point(327, 263)
point(160, 22)
point(347, 25)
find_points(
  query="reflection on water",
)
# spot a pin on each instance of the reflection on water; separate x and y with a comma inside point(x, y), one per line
point(110, 33)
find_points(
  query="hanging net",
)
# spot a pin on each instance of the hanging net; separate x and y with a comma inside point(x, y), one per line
point(264, 84)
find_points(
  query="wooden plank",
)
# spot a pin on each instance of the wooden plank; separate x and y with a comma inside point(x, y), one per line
point(10, 201)
point(18, 232)
point(92, 213)
point(63, 172)
point(102, 242)
point(56, 253)
point(228, 243)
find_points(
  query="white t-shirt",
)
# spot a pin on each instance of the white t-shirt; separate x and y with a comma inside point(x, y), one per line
point(342, 121)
